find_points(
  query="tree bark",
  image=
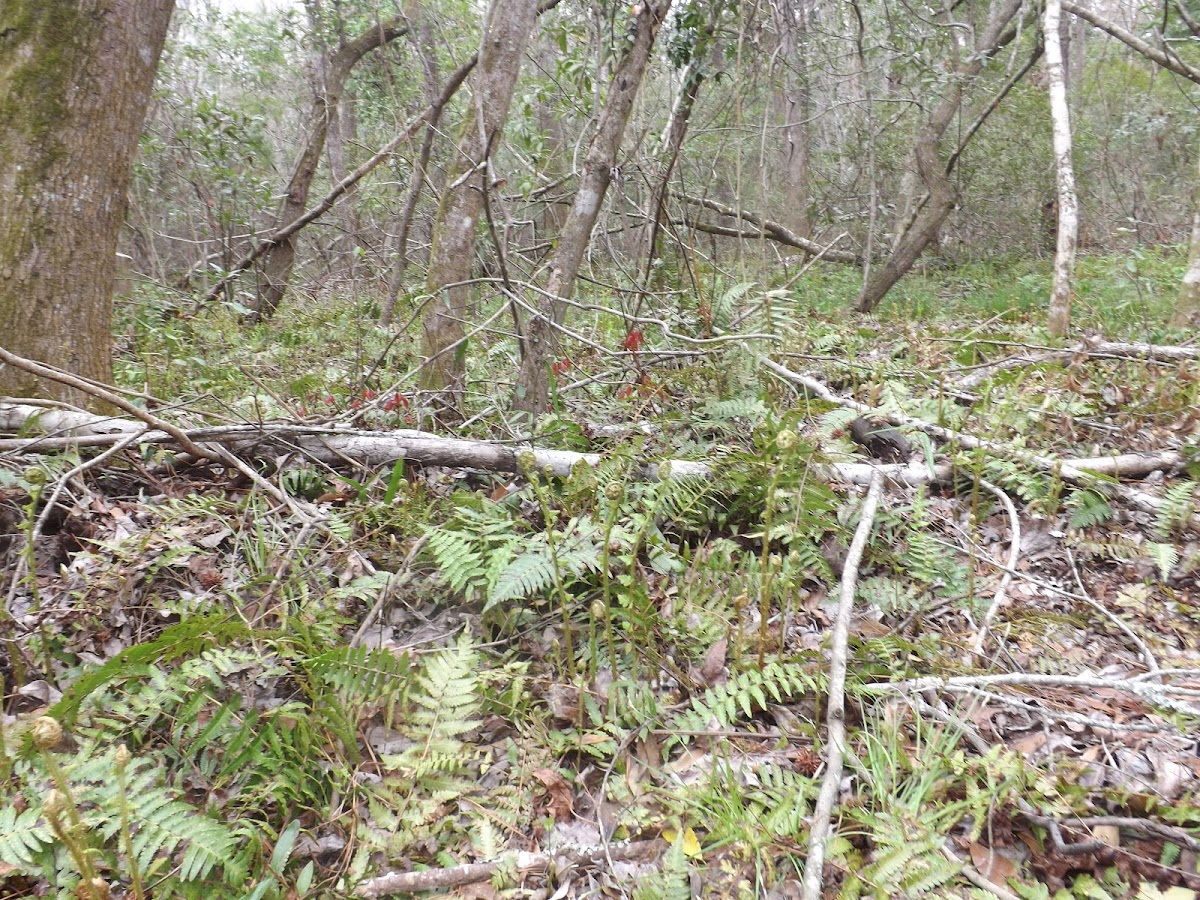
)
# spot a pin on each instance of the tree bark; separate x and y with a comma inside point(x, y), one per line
point(681, 115)
point(1059, 320)
point(1187, 304)
point(427, 52)
point(75, 82)
point(929, 217)
point(329, 80)
point(506, 35)
point(791, 21)
point(540, 345)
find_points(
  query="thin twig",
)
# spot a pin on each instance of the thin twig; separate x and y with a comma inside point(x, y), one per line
point(1134, 637)
point(103, 393)
point(397, 578)
point(1014, 553)
point(836, 702)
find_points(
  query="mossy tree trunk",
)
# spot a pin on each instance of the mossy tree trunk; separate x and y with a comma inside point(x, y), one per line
point(507, 33)
point(75, 82)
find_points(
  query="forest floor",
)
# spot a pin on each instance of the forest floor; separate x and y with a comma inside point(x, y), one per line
point(282, 674)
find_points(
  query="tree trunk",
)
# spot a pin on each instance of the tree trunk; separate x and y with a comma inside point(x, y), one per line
point(930, 216)
point(75, 82)
point(1068, 209)
point(341, 132)
point(681, 115)
point(791, 21)
point(329, 79)
point(427, 52)
point(506, 35)
point(1187, 305)
point(540, 346)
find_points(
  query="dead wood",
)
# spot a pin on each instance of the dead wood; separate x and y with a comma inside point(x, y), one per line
point(338, 446)
point(1082, 351)
point(524, 864)
point(835, 716)
point(766, 228)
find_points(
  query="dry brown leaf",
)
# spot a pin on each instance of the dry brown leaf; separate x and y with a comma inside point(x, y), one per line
point(560, 800)
point(991, 864)
point(714, 663)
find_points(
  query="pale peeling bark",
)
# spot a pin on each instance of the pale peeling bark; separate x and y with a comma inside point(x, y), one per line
point(1059, 321)
point(1187, 304)
point(506, 35)
point(928, 219)
point(75, 82)
point(540, 344)
point(331, 70)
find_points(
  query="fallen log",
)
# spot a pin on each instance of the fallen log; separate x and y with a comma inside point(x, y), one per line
point(337, 446)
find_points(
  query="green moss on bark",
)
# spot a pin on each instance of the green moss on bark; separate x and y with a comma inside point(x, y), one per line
point(41, 41)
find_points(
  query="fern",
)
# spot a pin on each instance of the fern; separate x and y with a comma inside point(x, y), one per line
point(889, 594)
point(23, 836)
point(1110, 546)
point(1165, 556)
point(165, 824)
point(166, 834)
point(743, 695)
point(671, 882)
point(362, 675)
point(783, 800)
point(189, 638)
point(925, 559)
point(529, 574)
point(442, 706)
point(1088, 508)
point(724, 305)
point(461, 561)
point(907, 861)
point(1178, 504)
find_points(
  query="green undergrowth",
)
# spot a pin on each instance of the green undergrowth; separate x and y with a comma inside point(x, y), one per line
point(323, 356)
point(436, 670)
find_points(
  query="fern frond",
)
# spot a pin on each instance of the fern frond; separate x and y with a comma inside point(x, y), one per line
point(458, 558)
point(22, 837)
point(529, 574)
point(889, 594)
point(743, 695)
point(360, 674)
point(1088, 508)
point(1178, 504)
point(165, 824)
point(1165, 556)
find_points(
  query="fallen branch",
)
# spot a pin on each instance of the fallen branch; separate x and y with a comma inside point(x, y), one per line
point(1100, 349)
point(377, 448)
point(1014, 553)
point(1167, 696)
point(835, 716)
point(1079, 472)
point(523, 864)
point(768, 229)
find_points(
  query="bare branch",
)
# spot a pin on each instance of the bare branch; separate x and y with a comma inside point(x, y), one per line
point(1167, 61)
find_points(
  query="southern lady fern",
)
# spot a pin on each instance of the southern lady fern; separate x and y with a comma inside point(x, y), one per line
point(436, 767)
point(743, 695)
